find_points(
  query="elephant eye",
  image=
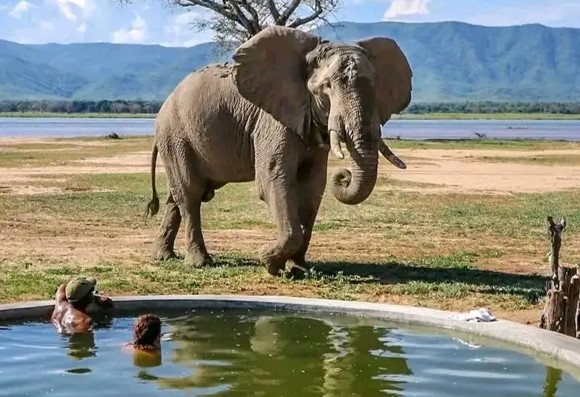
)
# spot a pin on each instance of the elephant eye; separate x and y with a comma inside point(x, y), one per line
point(323, 86)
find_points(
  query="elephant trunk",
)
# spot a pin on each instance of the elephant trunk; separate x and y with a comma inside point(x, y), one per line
point(355, 186)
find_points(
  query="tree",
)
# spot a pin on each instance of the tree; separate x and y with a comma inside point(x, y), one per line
point(235, 21)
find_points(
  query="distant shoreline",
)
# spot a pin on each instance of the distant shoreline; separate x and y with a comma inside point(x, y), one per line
point(38, 115)
point(423, 116)
point(487, 116)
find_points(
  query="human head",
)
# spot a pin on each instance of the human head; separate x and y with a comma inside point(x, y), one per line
point(147, 331)
point(80, 291)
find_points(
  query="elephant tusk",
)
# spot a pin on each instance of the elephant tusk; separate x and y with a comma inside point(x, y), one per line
point(389, 155)
point(335, 144)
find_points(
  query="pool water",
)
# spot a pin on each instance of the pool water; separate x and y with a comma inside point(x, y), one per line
point(259, 353)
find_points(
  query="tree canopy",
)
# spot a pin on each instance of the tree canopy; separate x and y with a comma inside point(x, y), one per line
point(235, 21)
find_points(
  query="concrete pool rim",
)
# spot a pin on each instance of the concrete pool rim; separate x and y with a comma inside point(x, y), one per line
point(562, 351)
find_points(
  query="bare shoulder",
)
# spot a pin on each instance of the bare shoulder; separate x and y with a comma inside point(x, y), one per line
point(136, 351)
point(128, 347)
point(71, 320)
point(60, 294)
point(60, 304)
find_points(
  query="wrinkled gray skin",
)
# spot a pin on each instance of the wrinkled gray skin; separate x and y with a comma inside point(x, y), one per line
point(270, 117)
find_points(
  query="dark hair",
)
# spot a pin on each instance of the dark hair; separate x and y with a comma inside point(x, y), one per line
point(146, 329)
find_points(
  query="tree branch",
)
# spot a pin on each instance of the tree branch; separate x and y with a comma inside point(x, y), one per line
point(274, 11)
point(242, 19)
point(220, 9)
point(255, 18)
point(234, 21)
point(317, 11)
point(289, 11)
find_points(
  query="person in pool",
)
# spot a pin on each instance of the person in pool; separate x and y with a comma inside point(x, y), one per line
point(72, 300)
point(146, 345)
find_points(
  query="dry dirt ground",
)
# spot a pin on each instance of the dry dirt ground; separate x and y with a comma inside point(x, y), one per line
point(459, 170)
point(41, 238)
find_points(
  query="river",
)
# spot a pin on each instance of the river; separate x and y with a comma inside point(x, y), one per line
point(406, 129)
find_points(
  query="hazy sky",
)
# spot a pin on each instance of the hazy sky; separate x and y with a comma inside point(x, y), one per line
point(148, 22)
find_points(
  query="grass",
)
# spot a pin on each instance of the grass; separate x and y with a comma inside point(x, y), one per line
point(481, 144)
point(518, 216)
point(121, 198)
point(445, 250)
point(551, 160)
point(440, 280)
point(64, 152)
point(405, 116)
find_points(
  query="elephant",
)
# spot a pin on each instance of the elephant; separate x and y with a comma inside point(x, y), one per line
point(272, 116)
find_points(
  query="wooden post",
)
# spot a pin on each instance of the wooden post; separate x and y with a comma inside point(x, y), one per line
point(562, 310)
point(553, 311)
point(555, 230)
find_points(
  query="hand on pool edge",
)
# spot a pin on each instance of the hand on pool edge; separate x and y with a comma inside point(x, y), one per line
point(103, 301)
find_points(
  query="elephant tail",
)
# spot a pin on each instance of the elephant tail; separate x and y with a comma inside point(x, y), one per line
point(153, 205)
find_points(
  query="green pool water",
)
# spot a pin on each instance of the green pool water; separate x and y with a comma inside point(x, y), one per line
point(260, 353)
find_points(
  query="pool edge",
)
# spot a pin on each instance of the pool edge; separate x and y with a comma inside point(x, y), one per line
point(557, 346)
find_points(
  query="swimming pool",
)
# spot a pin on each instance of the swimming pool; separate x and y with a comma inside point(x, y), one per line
point(267, 353)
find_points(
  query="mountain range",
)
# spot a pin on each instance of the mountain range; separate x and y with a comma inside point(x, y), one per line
point(451, 61)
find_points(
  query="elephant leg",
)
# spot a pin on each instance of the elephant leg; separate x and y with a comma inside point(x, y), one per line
point(307, 219)
point(196, 255)
point(187, 188)
point(163, 247)
point(311, 184)
point(282, 203)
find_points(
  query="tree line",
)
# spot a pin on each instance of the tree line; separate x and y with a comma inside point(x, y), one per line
point(104, 106)
point(496, 107)
point(152, 107)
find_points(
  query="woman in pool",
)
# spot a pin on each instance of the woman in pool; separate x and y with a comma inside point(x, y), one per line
point(146, 345)
point(72, 299)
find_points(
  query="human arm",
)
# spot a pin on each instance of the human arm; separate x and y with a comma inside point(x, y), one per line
point(103, 301)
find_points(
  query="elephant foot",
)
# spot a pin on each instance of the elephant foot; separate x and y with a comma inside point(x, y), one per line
point(274, 263)
point(296, 269)
point(299, 263)
point(162, 253)
point(198, 260)
point(275, 267)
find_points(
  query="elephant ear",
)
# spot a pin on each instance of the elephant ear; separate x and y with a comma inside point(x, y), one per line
point(394, 75)
point(270, 72)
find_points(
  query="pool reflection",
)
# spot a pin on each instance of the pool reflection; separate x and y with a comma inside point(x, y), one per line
point(81, 345)
point(269, 354)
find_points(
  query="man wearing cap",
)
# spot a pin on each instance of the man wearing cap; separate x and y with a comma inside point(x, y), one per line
point(72, 299)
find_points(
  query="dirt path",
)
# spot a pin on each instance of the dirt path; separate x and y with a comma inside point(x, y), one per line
point(467, 171)
point(445, 170)
point(480, 177)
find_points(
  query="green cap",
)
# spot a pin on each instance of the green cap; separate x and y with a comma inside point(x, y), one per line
point(79, 287)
